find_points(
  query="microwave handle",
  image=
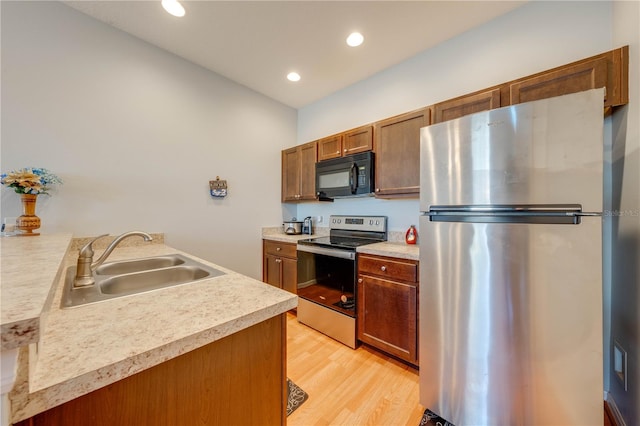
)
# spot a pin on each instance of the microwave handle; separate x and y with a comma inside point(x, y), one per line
point(353, 178)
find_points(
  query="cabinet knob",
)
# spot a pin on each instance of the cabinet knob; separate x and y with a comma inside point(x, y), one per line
point(338, 151)
point(377, 189)
point(278, 248)
point(383, 268)
point(345, 150)
point(278, 260)
point(360, 280)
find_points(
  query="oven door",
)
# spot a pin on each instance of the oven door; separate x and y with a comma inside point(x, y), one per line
point(327, 276)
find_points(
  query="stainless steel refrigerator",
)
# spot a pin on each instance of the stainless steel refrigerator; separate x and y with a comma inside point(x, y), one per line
point(511, 264)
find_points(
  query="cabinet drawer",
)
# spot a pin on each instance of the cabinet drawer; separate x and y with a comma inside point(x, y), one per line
point(395, 269)
point(278, 248)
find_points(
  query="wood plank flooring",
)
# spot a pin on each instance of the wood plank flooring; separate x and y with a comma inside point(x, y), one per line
point(346, 386)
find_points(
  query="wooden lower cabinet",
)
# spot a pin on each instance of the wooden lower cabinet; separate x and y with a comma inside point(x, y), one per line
point(388, 305)
point(238, 380)
point(280, 265)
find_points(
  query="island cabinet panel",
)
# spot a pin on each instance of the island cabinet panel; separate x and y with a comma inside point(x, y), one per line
point(346, 143)
point(388, 305)
point(299, 172)
point(464, 105)
point(608, 70)
point(280, 265)
point(238, 380)
point(397, 148)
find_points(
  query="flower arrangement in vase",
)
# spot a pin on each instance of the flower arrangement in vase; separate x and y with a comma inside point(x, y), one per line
point(29, 183)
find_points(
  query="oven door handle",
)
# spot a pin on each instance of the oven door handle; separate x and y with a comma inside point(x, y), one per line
point(343, 254)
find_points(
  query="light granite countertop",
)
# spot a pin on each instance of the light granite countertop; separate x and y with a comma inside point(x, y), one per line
point(275, 234)
point(87, 347)
point(394, 247)
point(29, 268)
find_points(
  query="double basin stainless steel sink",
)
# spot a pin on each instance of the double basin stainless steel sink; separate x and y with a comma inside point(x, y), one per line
point(121, 278)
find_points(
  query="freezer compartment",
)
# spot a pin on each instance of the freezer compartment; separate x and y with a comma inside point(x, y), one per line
point(511, 322)
point(543, 152)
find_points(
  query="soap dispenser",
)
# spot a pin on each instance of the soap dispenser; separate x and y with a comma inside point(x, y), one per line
point(411, 236)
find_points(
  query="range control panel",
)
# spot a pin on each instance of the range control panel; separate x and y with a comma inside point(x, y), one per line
point(359, 223)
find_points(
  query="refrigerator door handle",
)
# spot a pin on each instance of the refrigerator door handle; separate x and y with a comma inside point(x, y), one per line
point(562, 214)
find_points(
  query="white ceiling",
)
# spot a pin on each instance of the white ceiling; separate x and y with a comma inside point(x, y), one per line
point(256, 43)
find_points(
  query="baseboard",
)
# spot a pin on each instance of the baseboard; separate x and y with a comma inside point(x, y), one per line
point(612, 409)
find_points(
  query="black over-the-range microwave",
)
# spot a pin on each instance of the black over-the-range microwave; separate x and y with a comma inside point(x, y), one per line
point(348, 176)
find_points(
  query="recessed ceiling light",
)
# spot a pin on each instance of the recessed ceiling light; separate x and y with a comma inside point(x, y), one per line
point(173, 7)
point(293, 76)
point(355, 39)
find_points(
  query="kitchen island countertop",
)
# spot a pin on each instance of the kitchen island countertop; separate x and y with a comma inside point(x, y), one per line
point(87, 347)
point(29, 267)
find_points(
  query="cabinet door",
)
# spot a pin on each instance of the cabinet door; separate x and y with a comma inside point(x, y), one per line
point(465, 105)
point(290, 174)
point(289, 274)
point(357, 140)
point(397, 148)
point(272, 270)
point(330, 147)
point(387, 316)
point(299, 172)
point(569, 79)
point(308, 159)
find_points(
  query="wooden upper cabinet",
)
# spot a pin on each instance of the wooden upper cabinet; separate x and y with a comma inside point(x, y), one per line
point(290, 174)
point(308, 159)
point(347, 143)
point(608, 70)
point(464, 105)
point(357, 140)
point(572, 79)
point(330, 147)
point(397, 148)
point(299, 173)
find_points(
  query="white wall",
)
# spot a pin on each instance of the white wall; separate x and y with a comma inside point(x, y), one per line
point(535, 37)
point(137, 133)
point(625, 226)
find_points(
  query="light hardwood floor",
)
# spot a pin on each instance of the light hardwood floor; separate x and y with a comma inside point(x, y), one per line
point(346, 386)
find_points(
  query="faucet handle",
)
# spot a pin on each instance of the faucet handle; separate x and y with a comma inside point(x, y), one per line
point(87, 249)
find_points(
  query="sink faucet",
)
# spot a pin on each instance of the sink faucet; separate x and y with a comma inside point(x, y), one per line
point(86, 265)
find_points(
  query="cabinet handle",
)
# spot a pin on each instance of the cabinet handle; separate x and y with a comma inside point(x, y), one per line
point(278, 260)
point(383, 268)
point(360, 280)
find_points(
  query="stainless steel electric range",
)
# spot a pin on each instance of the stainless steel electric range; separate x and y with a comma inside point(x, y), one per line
point(327, 289)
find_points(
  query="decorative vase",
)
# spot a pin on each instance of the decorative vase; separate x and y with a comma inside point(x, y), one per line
point(28, 221)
